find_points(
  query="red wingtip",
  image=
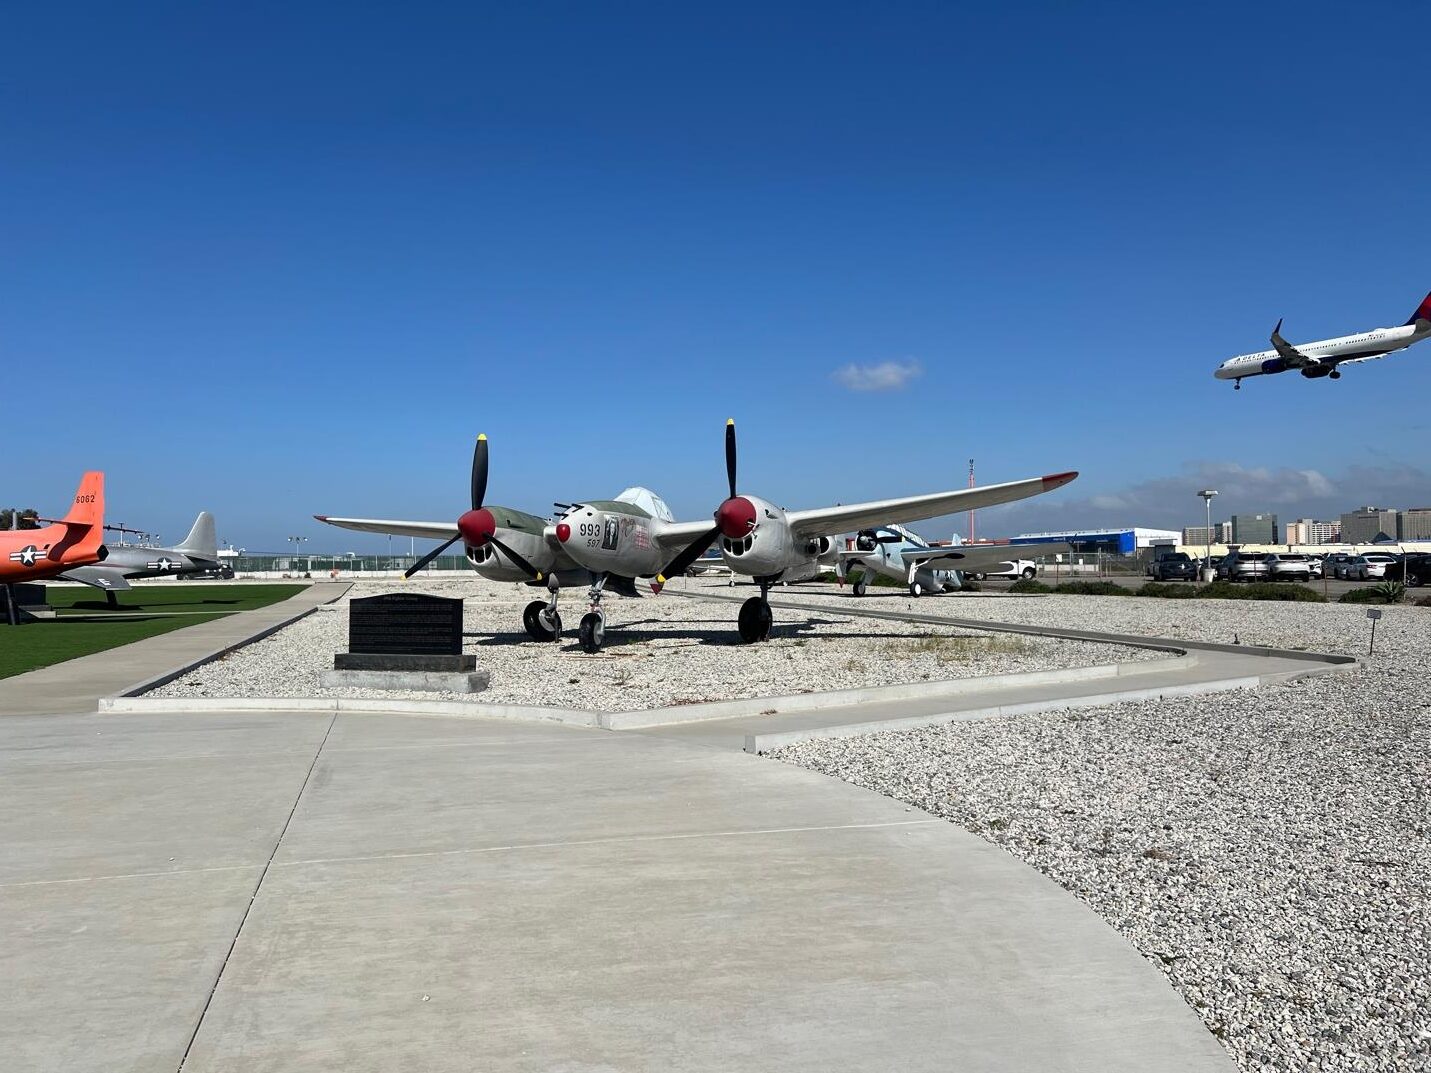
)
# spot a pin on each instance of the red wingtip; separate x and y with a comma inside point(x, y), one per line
point(1056, 480)
point(321, 517)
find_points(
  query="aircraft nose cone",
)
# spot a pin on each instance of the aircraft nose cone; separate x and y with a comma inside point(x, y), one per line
point(477, 526)
point(736, 517)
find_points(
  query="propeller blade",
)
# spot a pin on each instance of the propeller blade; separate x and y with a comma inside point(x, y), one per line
point(532, 571)
point(479, 472)
point(433, 554)
point(682, 562)
point(730, 454)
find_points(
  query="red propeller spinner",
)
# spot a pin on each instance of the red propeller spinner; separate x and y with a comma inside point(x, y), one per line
point(736, 517)
point(477, 527)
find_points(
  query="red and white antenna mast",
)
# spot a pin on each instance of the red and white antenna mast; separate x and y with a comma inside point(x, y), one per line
point(971, 513)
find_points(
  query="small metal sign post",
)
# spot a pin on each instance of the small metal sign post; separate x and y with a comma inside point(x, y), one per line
point(1373, 614)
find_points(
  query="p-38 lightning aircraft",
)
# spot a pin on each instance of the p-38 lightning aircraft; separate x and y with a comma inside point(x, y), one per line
point(613, 542)
point(1324, 357)
point(75, 540)
point(897, 553)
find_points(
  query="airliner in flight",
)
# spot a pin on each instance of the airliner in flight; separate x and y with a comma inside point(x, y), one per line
point(1323, 357)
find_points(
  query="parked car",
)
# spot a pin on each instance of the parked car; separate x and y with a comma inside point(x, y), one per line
point(1314, 563)
point(1159, 554)
point(1372, 565)
point(1240, 566)
point(1289, 567)
point(1180, 566)
point(1012, 570)
point(1418, 570)
point(1336, 564)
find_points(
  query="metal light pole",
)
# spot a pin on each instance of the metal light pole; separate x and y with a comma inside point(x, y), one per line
point(1207, 494)
point(297, 542)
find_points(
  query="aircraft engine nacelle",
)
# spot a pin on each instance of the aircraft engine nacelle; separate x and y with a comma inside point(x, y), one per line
point(1313, 372)
point(820, 546)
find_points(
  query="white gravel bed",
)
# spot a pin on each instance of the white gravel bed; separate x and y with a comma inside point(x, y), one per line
point(659, 651)
point(1267, 849)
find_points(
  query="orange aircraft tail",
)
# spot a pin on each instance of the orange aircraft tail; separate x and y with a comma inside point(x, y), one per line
point(88, 507)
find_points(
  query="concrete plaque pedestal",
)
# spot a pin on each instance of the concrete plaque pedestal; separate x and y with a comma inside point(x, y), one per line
point(426, 681)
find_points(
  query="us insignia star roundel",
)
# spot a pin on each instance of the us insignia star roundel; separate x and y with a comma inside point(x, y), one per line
point(26, 556)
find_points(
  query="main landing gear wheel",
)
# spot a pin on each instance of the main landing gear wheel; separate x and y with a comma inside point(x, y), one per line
point(862, 586)
point(1335, 374)
point(755, 619)
point(591, 632)
point(541, 625)
point(916, 589)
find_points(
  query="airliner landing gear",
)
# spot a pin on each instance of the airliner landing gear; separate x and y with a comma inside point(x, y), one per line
point(542, 620)
point(1335, 374)
point(592, 630)
point(1237, 385)
point(755, 616)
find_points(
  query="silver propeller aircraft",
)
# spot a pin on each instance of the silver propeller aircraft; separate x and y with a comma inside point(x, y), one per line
point(613, 542)
point(897, 553)
point(197, 553)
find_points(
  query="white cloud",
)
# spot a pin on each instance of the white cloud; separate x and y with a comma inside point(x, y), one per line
point(886, 376)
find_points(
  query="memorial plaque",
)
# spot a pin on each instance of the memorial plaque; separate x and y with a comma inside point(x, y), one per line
point(405, 623)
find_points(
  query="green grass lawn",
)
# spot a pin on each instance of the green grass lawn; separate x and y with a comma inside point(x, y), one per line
point(39, 644)
point(173, 596)
point(81, 628)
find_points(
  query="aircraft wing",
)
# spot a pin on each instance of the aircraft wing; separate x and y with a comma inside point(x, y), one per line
point(1371, 357)
point(1294, 358)
point(428, 530)
point(960, 557)
point(109, 578)
point(828, 521)
point(679, 534)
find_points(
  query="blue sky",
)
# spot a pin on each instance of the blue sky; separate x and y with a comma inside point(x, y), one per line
point(278, 259)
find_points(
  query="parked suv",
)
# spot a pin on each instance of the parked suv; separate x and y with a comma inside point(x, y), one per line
point(1160, 554)
point(1289, 568)
point(1244, 567)
point(1180, 566)
point(1418, 570)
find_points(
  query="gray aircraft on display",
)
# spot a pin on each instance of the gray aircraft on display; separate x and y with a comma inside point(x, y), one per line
point(635, 536)
point(901, 555)
point(197, 553)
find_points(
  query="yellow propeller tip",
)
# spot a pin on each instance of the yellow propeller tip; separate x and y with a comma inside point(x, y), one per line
point(730, 420)
point(660, 579)
point(481, 435)
point(539, 575)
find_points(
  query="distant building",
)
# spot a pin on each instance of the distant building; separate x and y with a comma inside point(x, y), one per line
point(1199, 535)
point(1414, 524)
point(1311, 531)
point(1254, 529)
point(1365, 524)
point(1117, 541)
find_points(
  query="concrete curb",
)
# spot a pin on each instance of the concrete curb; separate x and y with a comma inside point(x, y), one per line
point(804, 702)
point(164, 677)
point(764, 743)
point(379, 705)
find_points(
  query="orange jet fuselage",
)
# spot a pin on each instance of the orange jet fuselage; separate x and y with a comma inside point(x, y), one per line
point(77, 540)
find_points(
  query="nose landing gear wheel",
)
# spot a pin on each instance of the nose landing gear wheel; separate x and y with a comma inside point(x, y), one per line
point(541, 625)
point(755, 619)
point(1335, 374)
point(591, 632)
point(916, 589)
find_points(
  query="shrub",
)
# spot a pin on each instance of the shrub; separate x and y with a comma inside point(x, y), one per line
point(1092, 588)
point(1261, 590)
point(1393, 592)
point(1029, 585)
point(1385, 593)
point(1167, 591)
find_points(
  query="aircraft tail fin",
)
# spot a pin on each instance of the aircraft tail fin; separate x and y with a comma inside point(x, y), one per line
point(1423, 311)
point(202, 541)
point(88, 507)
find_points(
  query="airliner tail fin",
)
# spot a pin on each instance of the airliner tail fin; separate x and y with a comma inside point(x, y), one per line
point(1423, 311)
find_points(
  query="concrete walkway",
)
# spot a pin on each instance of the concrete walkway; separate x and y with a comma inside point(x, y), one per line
point(77, 684)
point(333, 891)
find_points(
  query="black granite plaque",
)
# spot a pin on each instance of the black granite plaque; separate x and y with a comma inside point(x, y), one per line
point(408, 623)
